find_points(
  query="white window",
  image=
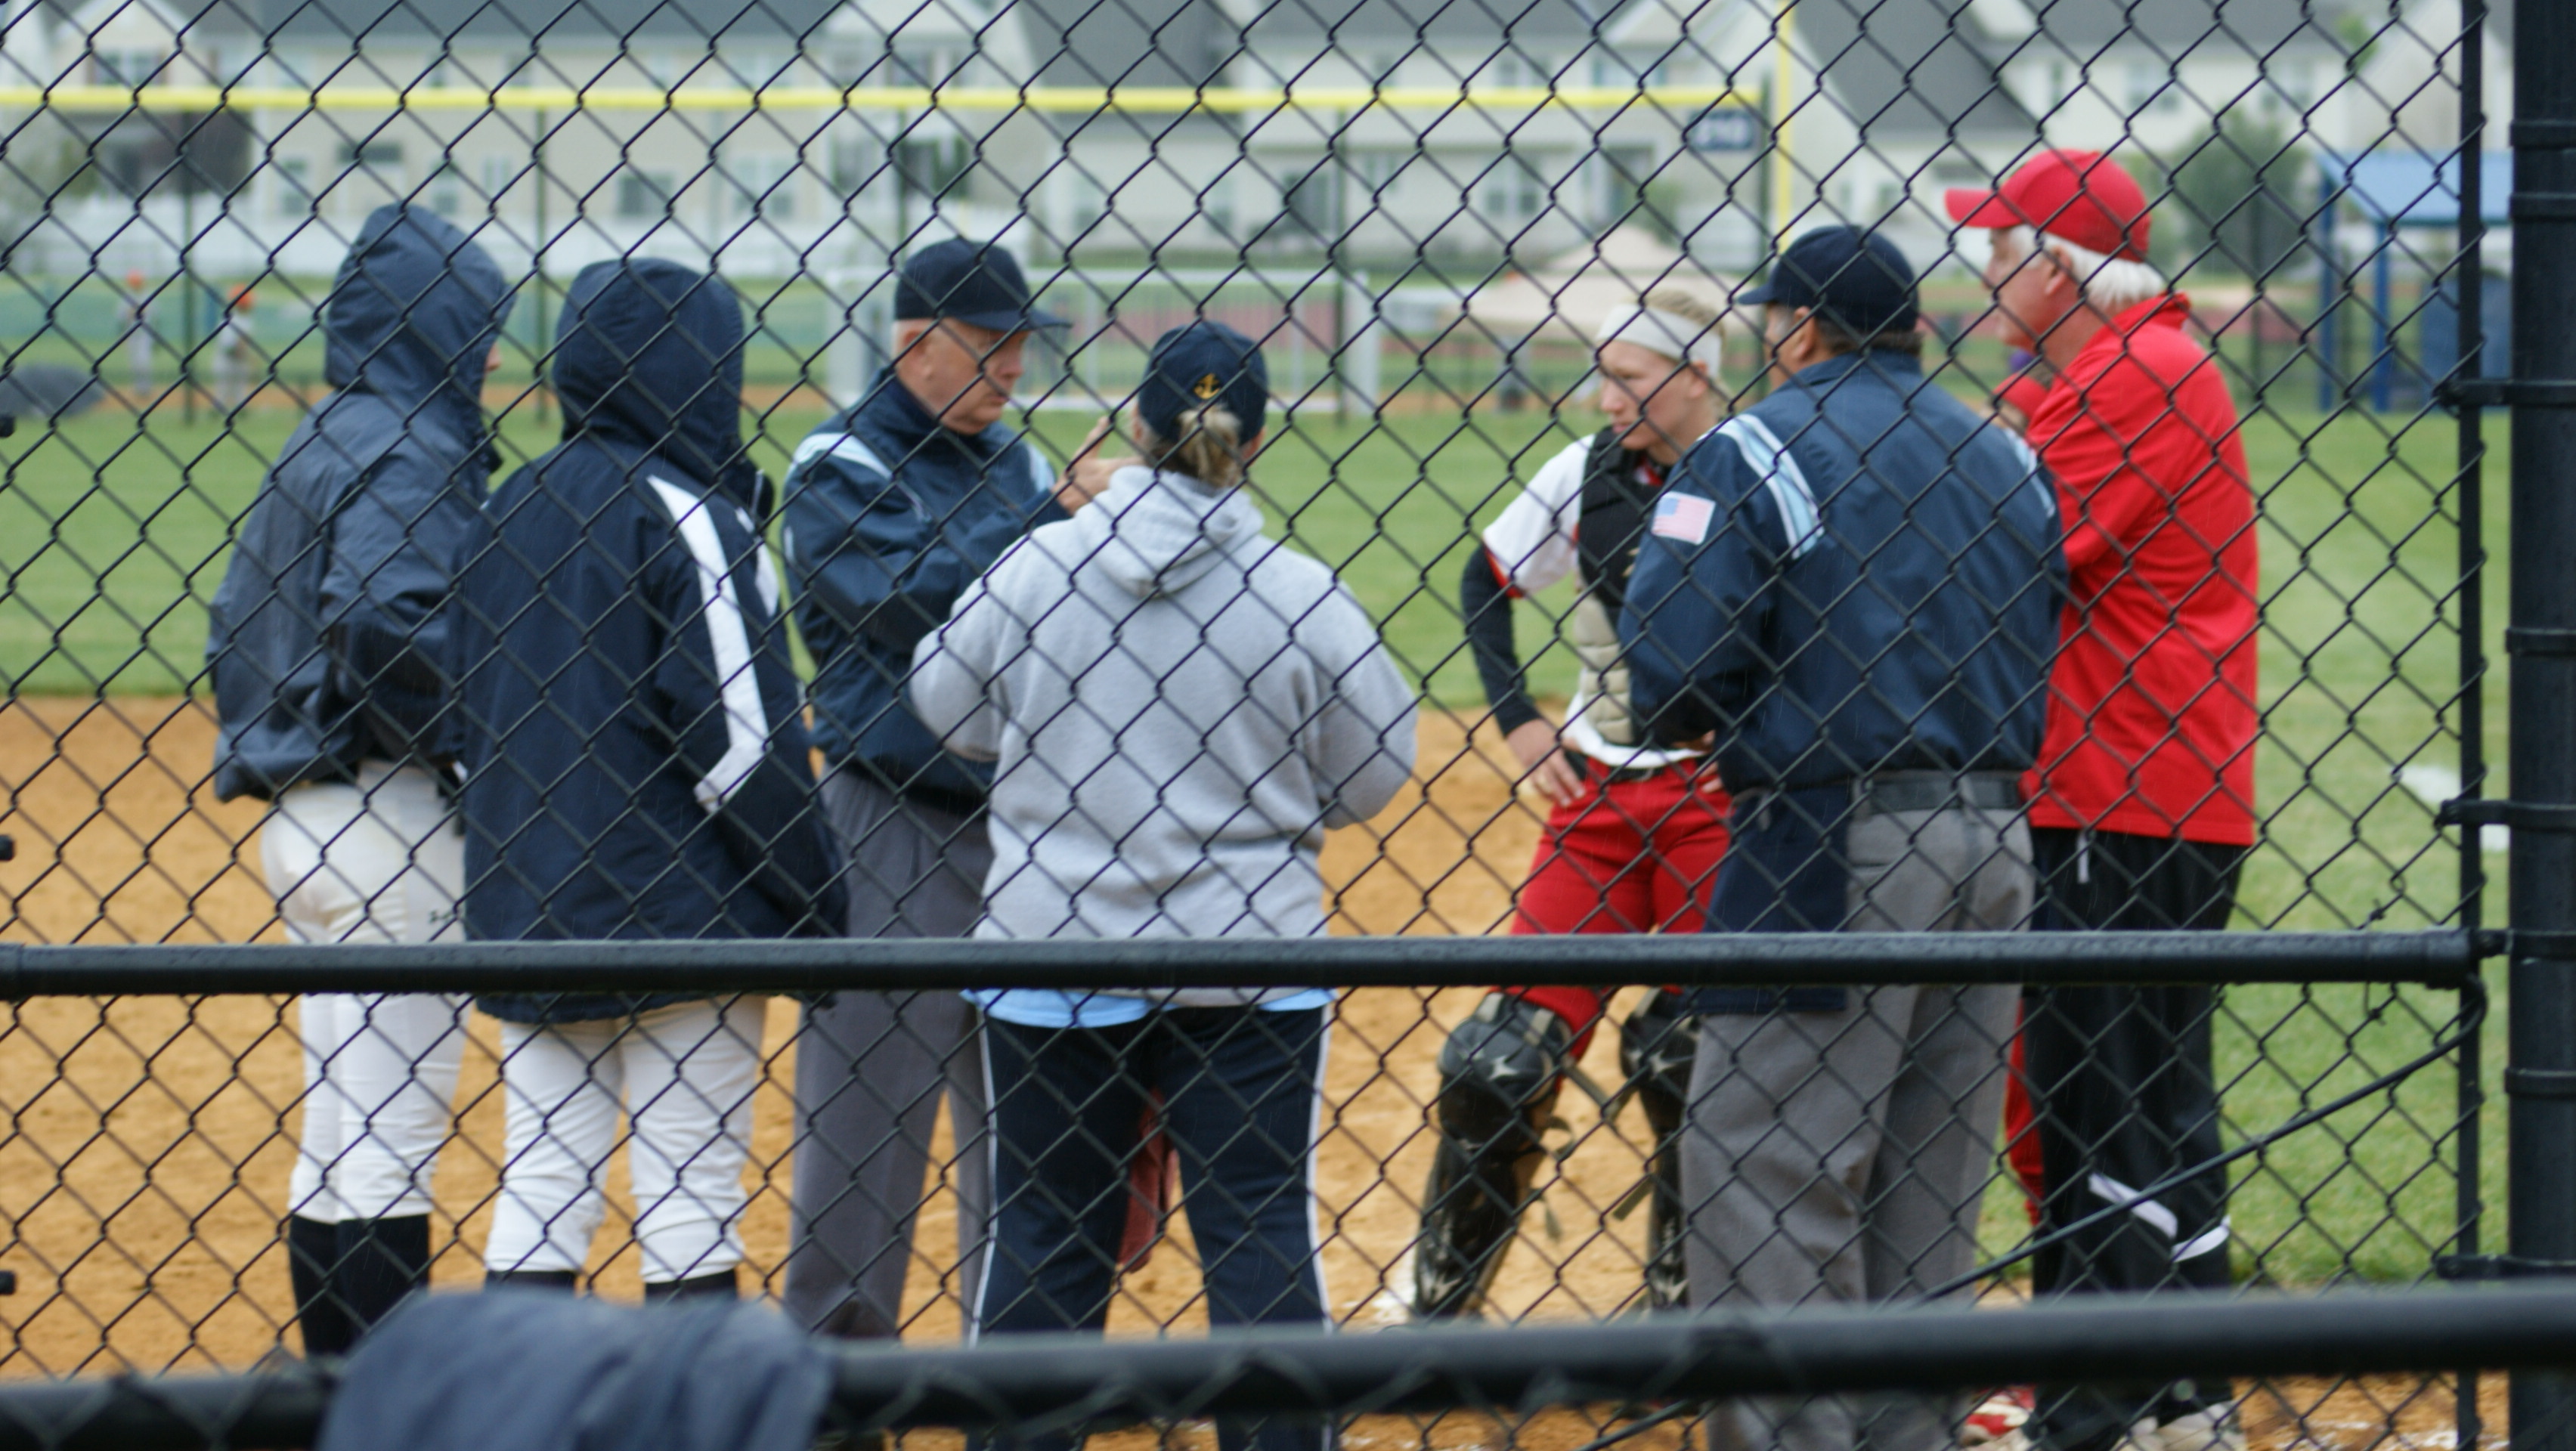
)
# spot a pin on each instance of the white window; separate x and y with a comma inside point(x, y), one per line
point(1511, 194)
point(1220, 206)
point(127, 67)
point(1078, 203)
point(385, 158)
point(644, 195)
point(759, 186)
point(1612, 71)
point(1376, 172)
point(856, 161)
point(447, 193)
point(2298, 81)
point(917, 64)
point(2145, 83)
point(301, 68)
point(1312, 202)
point(294, 187)
point(932, 165)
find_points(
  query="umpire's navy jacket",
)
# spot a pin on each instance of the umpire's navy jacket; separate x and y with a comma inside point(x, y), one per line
point(1857, 576)
point(890, 515)
point(328, 641)
point(639, 764)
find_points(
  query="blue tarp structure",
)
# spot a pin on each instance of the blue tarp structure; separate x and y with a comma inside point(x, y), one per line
point(2410, 189)
point(2391, 191)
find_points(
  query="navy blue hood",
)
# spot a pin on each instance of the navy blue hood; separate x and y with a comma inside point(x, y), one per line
point(413, 314)
point(329, 639)
point(649, 358)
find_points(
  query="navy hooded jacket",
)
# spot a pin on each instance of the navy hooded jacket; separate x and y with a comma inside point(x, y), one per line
point(328, 641)
point(639, 764)
point(1856, 576)
point(890, 515)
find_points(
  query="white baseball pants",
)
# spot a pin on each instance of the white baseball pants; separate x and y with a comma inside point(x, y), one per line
point(382, 860)
point(686, 1075)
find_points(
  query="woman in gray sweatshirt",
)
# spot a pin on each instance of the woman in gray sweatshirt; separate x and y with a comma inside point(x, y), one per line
point(1179, 708)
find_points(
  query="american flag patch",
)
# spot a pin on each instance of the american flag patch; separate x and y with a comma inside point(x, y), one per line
point(1684, 517)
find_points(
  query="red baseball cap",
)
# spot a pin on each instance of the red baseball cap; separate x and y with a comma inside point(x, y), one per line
point(2081, 196)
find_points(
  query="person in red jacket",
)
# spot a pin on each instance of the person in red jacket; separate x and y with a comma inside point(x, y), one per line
point(2142, 807)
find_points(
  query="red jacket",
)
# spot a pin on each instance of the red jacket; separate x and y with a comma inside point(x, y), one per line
point(2151, 711)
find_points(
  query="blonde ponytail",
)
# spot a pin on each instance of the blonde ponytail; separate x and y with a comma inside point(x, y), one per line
point(1210, 448)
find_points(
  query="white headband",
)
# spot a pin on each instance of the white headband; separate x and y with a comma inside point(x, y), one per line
point(1668, 333)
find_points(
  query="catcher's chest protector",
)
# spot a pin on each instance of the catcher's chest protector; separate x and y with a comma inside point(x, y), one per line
point(1619, 488)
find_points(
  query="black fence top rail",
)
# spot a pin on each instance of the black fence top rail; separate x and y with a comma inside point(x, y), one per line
point(2438, 958)
point(2171, 1336)
point(1069, 1382)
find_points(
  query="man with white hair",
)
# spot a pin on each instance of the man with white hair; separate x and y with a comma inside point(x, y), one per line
point(1634, 831)
point(2142, 807)
point(894, 506)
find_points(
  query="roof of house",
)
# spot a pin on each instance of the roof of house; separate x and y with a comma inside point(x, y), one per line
point(1907, 65)
point(1127, 42)
point(1377, 23)
point(1924, 67)
point(221, 18)
point(661, 20)
point(2178, 27)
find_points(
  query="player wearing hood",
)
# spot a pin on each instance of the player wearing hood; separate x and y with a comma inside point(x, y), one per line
point(328, 645)
point(639, 770)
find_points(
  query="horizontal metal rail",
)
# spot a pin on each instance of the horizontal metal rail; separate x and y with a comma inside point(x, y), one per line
point(2436, 958)
point(1066, 1382)
point(2166, 1337)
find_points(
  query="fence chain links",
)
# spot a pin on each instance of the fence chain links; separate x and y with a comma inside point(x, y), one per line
point(1201, 468)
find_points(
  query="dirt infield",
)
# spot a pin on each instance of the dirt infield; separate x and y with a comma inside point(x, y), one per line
point(145, 1170)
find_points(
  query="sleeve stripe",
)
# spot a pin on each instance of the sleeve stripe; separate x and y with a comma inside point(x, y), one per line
point(2030, 462)
point(746, 720)
point(1770, 459)
point(838, 445)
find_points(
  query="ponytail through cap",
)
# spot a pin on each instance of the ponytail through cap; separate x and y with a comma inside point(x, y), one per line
point(1199, 370)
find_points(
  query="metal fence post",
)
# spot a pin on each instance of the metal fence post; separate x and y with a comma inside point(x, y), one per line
point(2470, 1100)
point(2541, 1078)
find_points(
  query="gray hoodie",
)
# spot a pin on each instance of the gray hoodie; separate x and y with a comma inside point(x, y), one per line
point(1180, 707)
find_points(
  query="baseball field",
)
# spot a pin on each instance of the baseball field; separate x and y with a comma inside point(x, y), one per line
point(145, 1169)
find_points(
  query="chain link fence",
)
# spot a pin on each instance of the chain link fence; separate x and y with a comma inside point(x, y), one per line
point(1461, 238)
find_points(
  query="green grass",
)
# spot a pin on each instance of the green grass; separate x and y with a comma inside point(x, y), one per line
point(115, 535)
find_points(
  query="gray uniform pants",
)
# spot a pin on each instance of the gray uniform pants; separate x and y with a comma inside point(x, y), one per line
point(1841, 1157)
point(869, 1070)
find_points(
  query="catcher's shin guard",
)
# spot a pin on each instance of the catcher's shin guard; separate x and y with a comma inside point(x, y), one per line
point(1499, 1075)
point(1656, 1045)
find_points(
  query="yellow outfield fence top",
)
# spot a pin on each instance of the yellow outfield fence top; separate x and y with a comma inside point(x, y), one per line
point(1157, 101)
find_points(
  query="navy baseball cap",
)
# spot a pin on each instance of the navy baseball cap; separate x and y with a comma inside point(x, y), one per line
point(1858, 279)
point(1200, 363)
point(972, 282)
